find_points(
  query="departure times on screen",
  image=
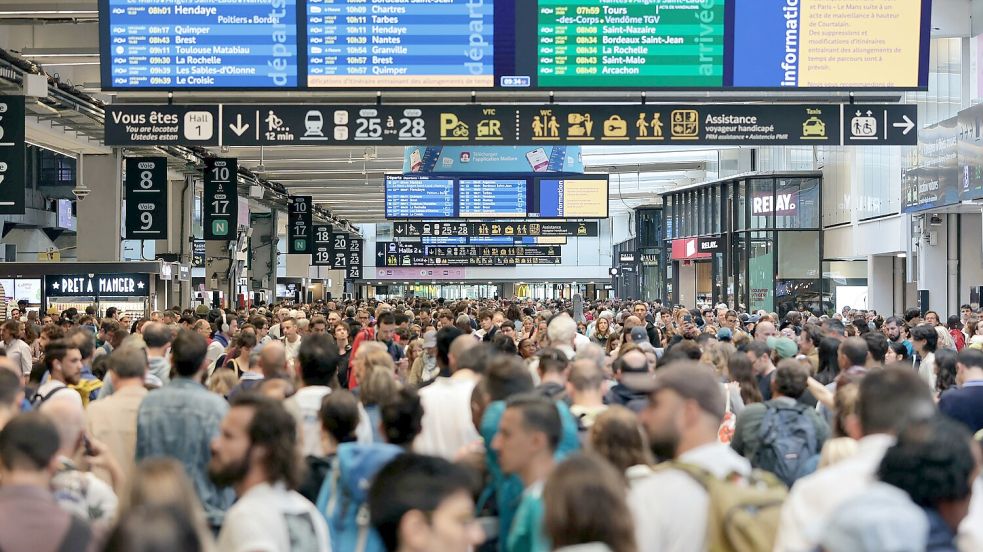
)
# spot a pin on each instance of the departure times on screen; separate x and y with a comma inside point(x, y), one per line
point(389, 44)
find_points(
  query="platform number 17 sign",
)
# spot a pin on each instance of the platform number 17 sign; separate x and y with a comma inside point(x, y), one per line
point(220, 200)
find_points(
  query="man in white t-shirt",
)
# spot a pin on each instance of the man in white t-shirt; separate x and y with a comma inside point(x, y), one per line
point(291, 339)
point(255, 454)
point(63, 362)
point(447, 423)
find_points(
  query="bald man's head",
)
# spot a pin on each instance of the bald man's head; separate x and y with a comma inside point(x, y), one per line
point(273, 360)
point(459, 348)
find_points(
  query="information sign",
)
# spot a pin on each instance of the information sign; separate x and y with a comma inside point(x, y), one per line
point(221, 200)
point(300, 225)
point(356, 247)
point(321, 255)
point(146, 198)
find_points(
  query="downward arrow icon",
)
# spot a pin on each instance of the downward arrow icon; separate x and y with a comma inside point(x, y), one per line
point(239, 128)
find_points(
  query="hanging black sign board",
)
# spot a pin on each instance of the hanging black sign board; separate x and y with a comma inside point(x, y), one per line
point(221, 201)
point(146, 198)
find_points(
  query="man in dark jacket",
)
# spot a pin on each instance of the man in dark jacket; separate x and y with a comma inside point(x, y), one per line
point(642, 312)
point(630, 369)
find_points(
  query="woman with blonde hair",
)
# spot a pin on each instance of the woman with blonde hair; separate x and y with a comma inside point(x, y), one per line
point(602, 522)
point(163, 483)
point(377, 385)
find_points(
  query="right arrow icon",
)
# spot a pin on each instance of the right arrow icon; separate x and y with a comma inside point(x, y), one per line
point(907, 125)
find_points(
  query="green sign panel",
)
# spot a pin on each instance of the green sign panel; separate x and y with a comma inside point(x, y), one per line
point(657, 44)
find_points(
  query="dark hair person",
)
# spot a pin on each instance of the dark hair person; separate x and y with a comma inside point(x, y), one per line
point(584, 501)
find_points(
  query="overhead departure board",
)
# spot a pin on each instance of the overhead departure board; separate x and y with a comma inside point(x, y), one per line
point(394, 43)
point(415, 197)
point(496, 196)
point(492, 198)
point(170, 44)
point(515, 44)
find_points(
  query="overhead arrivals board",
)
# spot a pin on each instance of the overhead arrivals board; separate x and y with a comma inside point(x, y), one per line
point(514, 125)
point(496, 196)
point(515, 44)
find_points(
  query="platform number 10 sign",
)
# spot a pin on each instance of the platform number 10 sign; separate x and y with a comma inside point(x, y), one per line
point(146, 198)
point(221, 201)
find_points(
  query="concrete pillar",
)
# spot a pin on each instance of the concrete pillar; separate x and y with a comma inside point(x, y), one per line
point(217, 257)
point(933, 266)
point(880, 283)
point(99, 214)
point(262, 251)
point(181, 194)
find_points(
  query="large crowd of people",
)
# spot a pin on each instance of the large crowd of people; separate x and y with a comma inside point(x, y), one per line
point(492, 425)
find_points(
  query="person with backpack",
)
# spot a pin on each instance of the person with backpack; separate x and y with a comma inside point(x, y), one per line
point(782, 435)
point(689, 502)
point(63, 362)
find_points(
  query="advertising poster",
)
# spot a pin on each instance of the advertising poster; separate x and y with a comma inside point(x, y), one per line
point(933, 177)
point(492, 159)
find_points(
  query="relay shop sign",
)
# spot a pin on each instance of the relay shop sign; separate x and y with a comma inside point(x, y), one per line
point(300, 224)
point(221, 200)
point(779, 204)
point(146, 198)
point(712, 244)
point(12, 156)
point(99, 285)
point(516, 125)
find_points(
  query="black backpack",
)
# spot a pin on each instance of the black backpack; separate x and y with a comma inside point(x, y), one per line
point(38, 399)
point(789, 445)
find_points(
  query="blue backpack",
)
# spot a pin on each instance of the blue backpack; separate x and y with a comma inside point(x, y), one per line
point(343, 495)
point(789, 444)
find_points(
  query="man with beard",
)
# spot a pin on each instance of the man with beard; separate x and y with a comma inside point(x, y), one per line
point(63, 362)
point(670, 507)
point(892, 331)
point(255, 454)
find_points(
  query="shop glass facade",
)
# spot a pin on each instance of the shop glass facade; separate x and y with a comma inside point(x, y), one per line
point(770, 225)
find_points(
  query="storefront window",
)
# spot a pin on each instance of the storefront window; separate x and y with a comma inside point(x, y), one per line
point(667, 214)
point(797, 203)
point(761, 271)
point(798, 255)
point(762, 203)
point(715, 212)
point(739, 247)
point(741, 204)
point(799, 295)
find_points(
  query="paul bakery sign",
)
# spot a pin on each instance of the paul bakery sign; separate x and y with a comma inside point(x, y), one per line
point(99, 285)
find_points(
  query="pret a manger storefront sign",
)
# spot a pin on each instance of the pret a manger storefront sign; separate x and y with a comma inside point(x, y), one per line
point(99, 285)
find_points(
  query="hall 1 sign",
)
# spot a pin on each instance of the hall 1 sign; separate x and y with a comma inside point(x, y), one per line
point(321, 254)
point(354, 270)
point(99, 285)
point(12, 156)
point(221, 199)
point(300, 224)
point(146, 198)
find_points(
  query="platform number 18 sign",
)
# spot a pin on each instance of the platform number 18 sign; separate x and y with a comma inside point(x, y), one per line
point(221, 200)
point(146, 198)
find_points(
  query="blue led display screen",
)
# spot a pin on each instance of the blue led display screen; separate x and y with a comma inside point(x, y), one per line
point(167, 44)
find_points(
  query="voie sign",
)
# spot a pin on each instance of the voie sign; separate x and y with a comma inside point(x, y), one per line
point(779, 204)
point(100, 285)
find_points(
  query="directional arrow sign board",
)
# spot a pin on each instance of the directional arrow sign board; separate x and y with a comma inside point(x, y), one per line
point(471, 124)
point(871, 125)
